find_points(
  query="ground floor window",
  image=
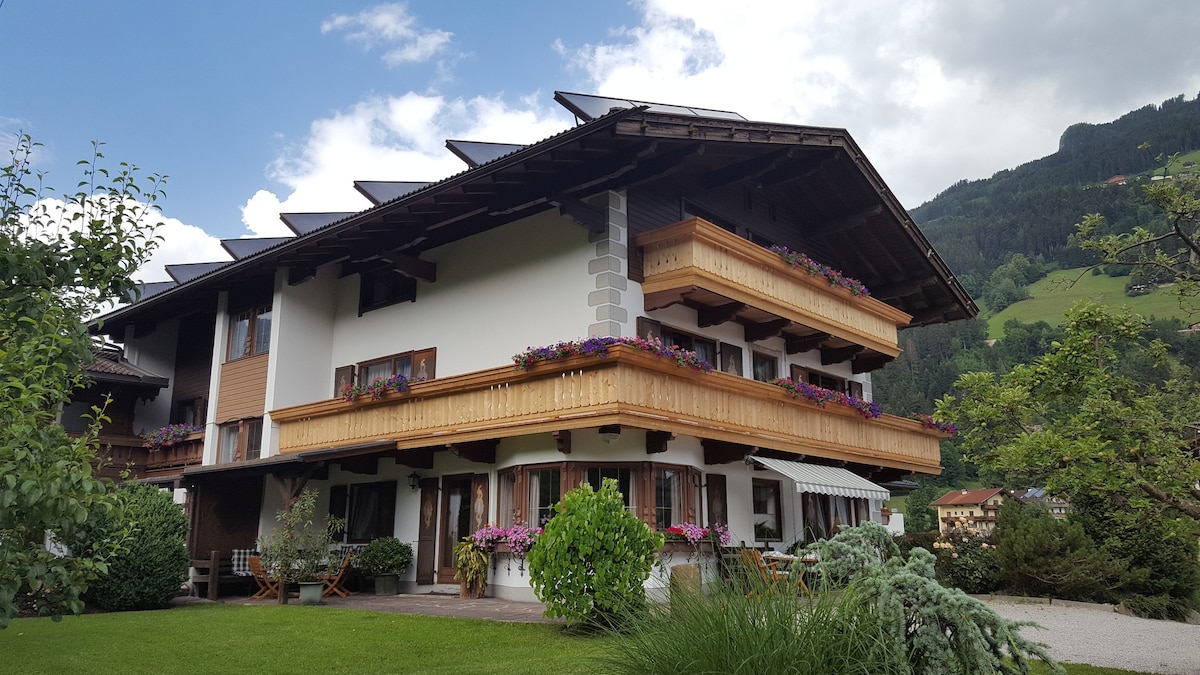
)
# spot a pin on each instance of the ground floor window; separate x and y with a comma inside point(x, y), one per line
point(824, 515)
point(660, 494)
point(768, 514)
point(368, 508)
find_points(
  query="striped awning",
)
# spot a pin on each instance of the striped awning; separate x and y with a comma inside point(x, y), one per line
point(825, 480)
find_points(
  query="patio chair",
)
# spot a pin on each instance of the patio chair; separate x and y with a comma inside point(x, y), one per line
point(267, 587)
point(333, 582)
point(770, 572)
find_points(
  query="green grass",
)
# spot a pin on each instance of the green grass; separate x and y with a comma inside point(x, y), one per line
point(286, 639)
point(1052, 296)
point(294, 639)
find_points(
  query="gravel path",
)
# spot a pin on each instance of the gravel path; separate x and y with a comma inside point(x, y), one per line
point(1097, 635)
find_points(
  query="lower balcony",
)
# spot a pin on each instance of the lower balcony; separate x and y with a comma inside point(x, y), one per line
point(630, 388)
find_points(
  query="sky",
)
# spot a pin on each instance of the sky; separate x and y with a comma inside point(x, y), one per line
point(256, 107)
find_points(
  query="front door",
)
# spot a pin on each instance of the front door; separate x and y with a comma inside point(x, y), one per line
point(464, 510)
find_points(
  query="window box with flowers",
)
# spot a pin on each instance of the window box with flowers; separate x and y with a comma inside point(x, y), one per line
point(170, 436)
point(513, 542)
point(692, 539)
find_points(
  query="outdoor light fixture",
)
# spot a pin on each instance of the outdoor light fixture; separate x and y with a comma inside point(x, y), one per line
point(414, 480)
point(610, 433)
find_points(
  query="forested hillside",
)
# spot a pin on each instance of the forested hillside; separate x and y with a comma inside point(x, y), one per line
point(1000, 234)
point(1032, 209)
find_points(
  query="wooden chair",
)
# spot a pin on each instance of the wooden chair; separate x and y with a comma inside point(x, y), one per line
point(770, 572)
point(333, 582)
point(267, 587)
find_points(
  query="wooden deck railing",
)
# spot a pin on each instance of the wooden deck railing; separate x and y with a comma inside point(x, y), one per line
point(630, 387)
point(697, 254)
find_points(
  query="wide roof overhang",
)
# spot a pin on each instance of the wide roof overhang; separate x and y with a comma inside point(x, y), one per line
point(816, 176)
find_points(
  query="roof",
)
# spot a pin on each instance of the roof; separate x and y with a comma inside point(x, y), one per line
point(967, 497)
point(110, 367)
point(818, 176)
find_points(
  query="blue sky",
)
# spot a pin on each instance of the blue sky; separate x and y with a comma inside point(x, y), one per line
point(253, 107)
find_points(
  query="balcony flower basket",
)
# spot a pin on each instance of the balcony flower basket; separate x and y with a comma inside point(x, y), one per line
point(692, 539)
point(598, 346)
point(376, 388)
point(170, 435)
point(822, 396)
point(928, 422)
point(801, 262)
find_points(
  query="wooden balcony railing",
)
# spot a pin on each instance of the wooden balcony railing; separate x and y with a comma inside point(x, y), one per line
point(695, 254)
point(188, 452)
point(630, 387)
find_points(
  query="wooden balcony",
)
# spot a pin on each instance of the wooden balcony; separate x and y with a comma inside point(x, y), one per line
point(727, 278)
point(630, 387)
point(188, 452)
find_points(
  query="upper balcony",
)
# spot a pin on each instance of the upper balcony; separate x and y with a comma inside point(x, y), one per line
point(727, 278)
point(631, 388)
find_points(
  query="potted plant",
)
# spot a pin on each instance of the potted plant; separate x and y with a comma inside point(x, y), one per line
point(386, 558)
point(297, 550)
point(470, 561)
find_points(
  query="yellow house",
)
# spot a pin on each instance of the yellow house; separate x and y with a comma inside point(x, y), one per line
point(969, 509)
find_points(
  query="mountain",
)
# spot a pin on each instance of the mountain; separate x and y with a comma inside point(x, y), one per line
point(1032, 209)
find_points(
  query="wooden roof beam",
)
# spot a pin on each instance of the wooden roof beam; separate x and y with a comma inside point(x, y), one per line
point(715, 316)
point(769, 329)
point(832, 355)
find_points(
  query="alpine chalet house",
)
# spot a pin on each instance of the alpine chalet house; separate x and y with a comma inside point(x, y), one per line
point(773, 252)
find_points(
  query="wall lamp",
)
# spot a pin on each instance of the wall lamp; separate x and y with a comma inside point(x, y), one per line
point(414, 480)
point(610, 433)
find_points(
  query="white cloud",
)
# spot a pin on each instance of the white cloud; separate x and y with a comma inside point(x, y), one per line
point(933, 90)
point(180, 243)
point(389, 25)
point(398, 138)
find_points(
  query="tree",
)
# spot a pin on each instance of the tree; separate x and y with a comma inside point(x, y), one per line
point(61, 261)
point(1070, 421)
point(1169, 249)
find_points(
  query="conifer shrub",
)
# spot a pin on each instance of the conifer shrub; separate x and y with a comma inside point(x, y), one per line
point(942, 630)
point(151, 566)
point(591, 561)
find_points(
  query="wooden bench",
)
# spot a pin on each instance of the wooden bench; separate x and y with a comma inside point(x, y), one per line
point(216, 571)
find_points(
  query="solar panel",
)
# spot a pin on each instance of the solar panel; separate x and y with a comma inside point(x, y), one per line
point(588, 107)
point(242, 248)
point(475, 153)
point(303, 223)
point(380, 191)
point(188, 271)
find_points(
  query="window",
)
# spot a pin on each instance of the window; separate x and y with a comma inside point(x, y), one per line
point(368, 508)
point(249, 333)
point(384, 286)
point(545, 489)
point(824, 515)
point(668, 498)
point(765, 367)
point(768, 522)
point(625, 478)
point(416, 365)
point(240, 440)
point(704, 348)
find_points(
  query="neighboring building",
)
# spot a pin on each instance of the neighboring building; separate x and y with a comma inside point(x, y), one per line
point(643, 220)
point(969, 509)
point(1116, 180)
point(1057, 506)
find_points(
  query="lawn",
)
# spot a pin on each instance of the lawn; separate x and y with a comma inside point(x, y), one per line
point(1052, 296)
point(221, 638)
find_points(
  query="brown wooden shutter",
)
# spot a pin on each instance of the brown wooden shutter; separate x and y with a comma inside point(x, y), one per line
point(427, 531)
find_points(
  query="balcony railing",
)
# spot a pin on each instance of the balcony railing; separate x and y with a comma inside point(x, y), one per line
point(630, 387)
point(189, 451)
point(695, 254)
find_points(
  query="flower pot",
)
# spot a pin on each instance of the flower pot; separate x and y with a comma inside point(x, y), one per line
point(310, 592)
point(387, 584)
point(470, 592)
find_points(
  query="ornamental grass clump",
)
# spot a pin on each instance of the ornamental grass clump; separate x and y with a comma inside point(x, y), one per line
point(743, 625)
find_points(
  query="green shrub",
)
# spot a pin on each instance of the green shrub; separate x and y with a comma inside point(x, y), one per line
point(149, 570)
point(763, 631)
point(590, 563)
point(967, 561)
point(910, 540)
point(1039, 555)
point(385, 555)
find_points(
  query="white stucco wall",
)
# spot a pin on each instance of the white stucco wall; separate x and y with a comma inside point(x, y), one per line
point(156, 353)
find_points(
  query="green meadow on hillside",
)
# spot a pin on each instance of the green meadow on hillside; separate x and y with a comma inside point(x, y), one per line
point(1052, 296)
